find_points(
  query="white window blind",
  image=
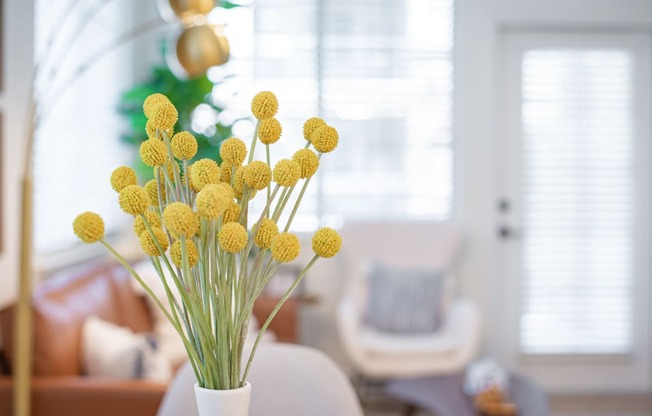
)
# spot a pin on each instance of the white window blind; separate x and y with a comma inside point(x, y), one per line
point(578, 201)
point(381, 73)
point(78, 144)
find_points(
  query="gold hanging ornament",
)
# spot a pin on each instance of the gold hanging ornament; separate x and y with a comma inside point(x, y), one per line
point(199, 48)
point(187, 8)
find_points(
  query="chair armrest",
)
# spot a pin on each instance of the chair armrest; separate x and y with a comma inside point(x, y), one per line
point(54, 396)
point(348, 326)
point(464, 324)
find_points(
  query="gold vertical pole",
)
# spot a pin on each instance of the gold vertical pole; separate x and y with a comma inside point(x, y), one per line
point(23, 319)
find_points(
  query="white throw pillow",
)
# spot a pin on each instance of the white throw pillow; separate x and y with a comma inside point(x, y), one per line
point(109, 350)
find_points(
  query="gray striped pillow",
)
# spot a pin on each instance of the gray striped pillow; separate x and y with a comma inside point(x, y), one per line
point(406, 300)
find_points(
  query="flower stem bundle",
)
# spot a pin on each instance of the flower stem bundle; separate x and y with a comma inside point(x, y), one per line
point(193, 221)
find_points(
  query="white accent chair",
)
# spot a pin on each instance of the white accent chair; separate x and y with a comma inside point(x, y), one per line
point(384, 355)
point(286, 379)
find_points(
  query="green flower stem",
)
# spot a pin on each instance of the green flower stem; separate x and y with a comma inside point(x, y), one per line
point(191, 352)
point(269, 163)
point(278, 306)
point(296, 204)
point(187, 181)
point(279, 204)
point(253, 143)
point(282, 206)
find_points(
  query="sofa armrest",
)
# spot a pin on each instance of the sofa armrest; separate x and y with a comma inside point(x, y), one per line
point(58, 396)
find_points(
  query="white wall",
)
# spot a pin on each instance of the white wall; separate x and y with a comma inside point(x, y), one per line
point(16, 73)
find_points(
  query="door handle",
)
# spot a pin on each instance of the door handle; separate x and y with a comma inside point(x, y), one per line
point(505, 232)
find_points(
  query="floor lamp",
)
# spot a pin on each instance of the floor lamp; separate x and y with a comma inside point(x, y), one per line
point(197, 48)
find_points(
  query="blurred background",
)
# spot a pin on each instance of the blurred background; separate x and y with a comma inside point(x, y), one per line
point(516, 133)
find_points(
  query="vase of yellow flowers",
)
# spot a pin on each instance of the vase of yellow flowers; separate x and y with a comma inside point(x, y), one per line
point(194, 223)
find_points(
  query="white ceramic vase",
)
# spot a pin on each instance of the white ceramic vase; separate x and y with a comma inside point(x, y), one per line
point(223, 402)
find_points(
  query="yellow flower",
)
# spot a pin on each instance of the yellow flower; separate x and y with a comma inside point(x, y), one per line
point(287, 172)
point(152, 191)
point(164, 116)
point(228, 189)
point(190, 184)
point(232, 237)
point(311, 125)
point(326, 242)
point(184, 145)
point(153, 152)
point(89, 227)
point(269, 130)
point(233, 151)
point(285, 247)
point(257, 175)
point(123, 177)
point(153, 219)
point(226, 172)
point(151, 130)
point(134, 200)
point(308, 161)
point(191, 250)
point(324, 139)
point(148, 241)
point(232, 213)
point(266, 233)
point(238, 182)
point(212, 201)
point(151, 101)
point(203, 172)
point(180, 219)
point(264, 105)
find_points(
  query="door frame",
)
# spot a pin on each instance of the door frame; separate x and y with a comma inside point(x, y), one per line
point(631, 372)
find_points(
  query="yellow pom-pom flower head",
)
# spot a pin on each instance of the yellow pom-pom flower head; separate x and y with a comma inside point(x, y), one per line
point(153, 219)
point(134, 200)
point(232, 213)
point(311, 125)
point(285, 247)
point(226, 171)
point(287, 172)
point(204, 172)
point(177, 256)
point(326, 242)
point(122, 177)
point(151, 101)
point(266, 233)
point(148, 242)
point(164, 116)
point(308, 161)
point(212, 201)
point(151, 130)
point(325, 139)
point(257, 175)
point(153, 152)
point(184, 145)
point(228, 189)
point(153, 191)
point(232, 237)
point(89, 227)
point(179, 219)
point(269, 130)
point(233, 151)
point(264, 105)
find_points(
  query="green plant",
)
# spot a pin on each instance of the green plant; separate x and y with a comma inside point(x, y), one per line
point(187, 95)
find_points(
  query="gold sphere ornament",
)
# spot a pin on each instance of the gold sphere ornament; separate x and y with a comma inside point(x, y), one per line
point(188, 8)
point(198, 48)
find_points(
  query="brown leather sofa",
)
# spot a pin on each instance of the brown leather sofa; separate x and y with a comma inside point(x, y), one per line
point(60, 306)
